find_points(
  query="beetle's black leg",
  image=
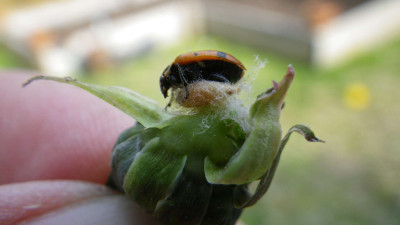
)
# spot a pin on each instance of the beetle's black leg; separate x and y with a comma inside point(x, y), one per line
point(218, 77)
point(168, 105)
point(183, 79)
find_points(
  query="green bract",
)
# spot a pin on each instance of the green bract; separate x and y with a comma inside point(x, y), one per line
point(194, 168)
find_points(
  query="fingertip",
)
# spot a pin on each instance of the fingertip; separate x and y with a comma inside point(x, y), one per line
point(55, 131)
point(67, 202)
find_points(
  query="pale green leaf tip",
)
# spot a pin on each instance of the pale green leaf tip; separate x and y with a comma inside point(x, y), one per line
point(142, 109)
point(306, 132)
point(41, 77)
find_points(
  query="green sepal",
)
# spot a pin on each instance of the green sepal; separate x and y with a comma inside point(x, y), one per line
point(266, 179)
point(256, 154)
point(144, 110)
point(152, 174)
point(188, 200)
point(129, 143)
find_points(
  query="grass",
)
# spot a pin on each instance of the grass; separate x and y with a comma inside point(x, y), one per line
point(351, 179)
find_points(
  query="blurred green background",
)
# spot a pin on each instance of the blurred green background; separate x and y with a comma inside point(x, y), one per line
point(354, 106)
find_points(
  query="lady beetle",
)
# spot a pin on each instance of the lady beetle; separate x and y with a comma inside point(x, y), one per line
point(201, 65)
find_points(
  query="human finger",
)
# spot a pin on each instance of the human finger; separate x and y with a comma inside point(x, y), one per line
point(54, 131)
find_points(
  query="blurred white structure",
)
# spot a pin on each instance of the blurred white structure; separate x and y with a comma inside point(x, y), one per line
point(356, 31)
point(65, 36)
point(322, 32)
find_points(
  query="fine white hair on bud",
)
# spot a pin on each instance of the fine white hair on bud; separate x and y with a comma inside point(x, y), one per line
point(221, 98)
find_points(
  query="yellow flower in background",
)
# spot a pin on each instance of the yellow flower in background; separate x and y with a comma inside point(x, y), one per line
point(357, 96)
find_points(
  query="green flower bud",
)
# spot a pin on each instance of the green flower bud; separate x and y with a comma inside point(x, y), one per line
point(193, 167)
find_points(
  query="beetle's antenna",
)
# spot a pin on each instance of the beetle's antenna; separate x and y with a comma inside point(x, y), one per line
point(183, 79)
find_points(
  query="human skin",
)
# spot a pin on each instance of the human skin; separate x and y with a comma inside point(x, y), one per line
point(55, 149)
